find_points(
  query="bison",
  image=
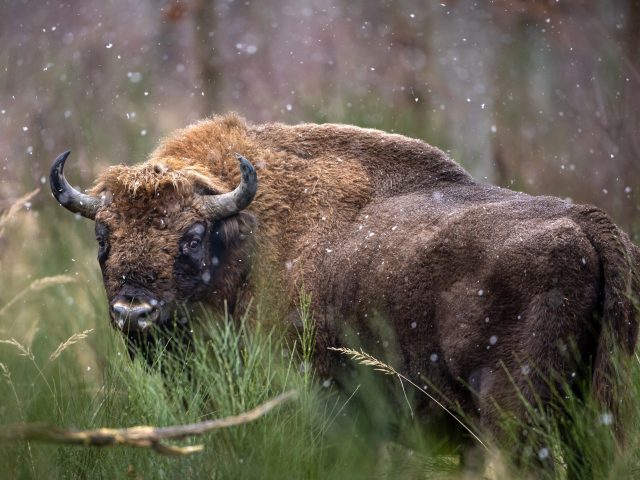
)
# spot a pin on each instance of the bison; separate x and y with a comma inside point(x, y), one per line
point(484, 290)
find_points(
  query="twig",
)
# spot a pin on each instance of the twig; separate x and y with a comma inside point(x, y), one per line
point(141, 436)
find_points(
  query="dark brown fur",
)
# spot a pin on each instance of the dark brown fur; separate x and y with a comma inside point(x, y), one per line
point(477, 285)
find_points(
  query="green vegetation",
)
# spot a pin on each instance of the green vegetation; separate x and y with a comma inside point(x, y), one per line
point(61, 363)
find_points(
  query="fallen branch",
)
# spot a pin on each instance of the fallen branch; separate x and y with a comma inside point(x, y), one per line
point(142, 436)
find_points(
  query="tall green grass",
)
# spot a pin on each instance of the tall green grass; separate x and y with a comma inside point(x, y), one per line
point(61, 363)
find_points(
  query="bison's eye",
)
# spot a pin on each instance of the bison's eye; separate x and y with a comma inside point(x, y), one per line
point(191, 242)
point(191, 245)
point(103, 244)
point(102, 247)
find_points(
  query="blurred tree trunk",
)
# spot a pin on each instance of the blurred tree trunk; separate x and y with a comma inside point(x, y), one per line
point(631, 116)
point(206, 56)
point(511, 105)
point(633, 33)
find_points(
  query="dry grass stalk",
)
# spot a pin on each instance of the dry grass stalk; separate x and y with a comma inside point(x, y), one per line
point(368, 360)
point(39, 284)
point(6, 373)
point(24, 351)
point(142, 436)
point(75, 338)
point(13, 209)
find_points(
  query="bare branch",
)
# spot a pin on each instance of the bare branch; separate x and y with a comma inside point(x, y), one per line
point(141, 436)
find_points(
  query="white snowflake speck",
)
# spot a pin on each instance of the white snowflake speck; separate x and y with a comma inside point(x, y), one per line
point(606, 418)
point(543, 453)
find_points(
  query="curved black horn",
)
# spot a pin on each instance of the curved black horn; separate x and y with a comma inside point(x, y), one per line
point(69, 197)
point(226, 204)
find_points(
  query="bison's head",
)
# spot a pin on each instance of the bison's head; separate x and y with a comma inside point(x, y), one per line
point(168, 235)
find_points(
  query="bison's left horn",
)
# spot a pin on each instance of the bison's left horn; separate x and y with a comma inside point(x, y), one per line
point(69, 197)
point(227, 204)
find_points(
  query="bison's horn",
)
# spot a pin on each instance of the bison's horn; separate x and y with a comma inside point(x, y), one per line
point(69, 197)
point(226, 204)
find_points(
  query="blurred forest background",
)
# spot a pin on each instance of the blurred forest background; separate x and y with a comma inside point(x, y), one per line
point(541, 96)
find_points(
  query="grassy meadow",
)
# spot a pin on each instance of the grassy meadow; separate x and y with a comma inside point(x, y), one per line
point(62, 364)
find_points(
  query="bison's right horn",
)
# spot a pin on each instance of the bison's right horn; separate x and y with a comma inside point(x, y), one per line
point(227, 204)
point(69, 197)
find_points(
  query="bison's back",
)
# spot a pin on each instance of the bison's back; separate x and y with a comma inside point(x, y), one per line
point(468, 282)
point(394, 164)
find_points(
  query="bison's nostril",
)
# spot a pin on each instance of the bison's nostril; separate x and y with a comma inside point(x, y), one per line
point(130, 314)
point(119, 310)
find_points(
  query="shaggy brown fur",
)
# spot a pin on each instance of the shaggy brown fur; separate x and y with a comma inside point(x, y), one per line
point(480, 287)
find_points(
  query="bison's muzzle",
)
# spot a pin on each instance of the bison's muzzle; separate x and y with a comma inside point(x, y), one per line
point(134, 314)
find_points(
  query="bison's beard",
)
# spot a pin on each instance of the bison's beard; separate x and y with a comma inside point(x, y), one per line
point(170, 334)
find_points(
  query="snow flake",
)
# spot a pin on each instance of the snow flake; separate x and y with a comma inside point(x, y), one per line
point(134, 77)
point(606, 418)
point(543, 453)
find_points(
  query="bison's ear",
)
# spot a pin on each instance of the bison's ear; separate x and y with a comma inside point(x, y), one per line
point(236, 229)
